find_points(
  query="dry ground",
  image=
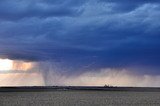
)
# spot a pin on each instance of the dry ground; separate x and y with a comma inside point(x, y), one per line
point(80, 98)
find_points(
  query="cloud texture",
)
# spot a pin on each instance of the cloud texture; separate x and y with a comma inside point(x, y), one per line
point(82, 35)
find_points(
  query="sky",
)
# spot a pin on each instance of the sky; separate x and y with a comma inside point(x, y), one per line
point(84, 42)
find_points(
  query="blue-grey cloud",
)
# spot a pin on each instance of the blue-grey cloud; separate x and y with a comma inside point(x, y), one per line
point(19, 9)
point(125, 5)
point(87, 33)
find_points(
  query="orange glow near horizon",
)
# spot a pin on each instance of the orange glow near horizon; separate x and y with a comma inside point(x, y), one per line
point(9, 65)
point(23, 66)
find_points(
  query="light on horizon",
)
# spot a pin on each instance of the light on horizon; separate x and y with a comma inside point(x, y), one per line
point(6, 64)
point(15, 65)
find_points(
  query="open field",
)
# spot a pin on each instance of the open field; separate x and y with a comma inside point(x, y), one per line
point(64, 97)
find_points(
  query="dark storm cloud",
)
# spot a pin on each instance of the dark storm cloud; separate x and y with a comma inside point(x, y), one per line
point(85, 33)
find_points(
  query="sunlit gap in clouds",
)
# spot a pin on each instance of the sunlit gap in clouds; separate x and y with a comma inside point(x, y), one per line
point(19, 73)
point(7, 65)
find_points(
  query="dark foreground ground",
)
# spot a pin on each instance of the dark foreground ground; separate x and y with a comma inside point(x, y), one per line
point(79, 96)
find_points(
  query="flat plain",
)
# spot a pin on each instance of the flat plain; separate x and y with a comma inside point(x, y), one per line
point(80, 98)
